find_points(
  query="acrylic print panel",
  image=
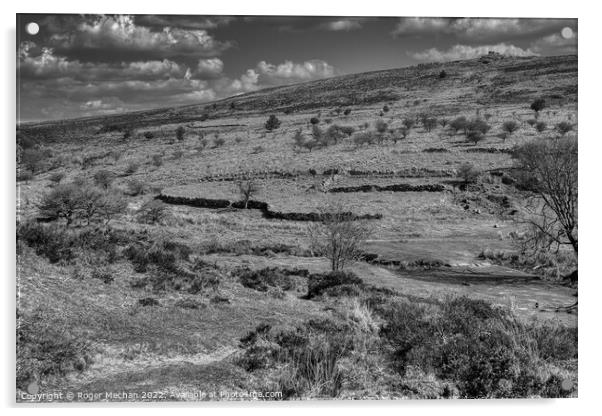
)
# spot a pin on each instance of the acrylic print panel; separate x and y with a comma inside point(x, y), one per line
point(285, 207)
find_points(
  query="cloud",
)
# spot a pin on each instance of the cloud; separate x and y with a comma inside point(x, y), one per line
point(212, 67)
point(42, 63)
point(476, 28)
point(184, 22)
point(289, 72)
point(345, 25)
point(555, 44)
point(122, 34)
point(459, 52)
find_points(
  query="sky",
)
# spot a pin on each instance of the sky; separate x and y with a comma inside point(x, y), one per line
point(89, 65)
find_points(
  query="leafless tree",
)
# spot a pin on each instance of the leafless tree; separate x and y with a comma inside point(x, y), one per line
point(247, 189)
point(552, 166)
point(338, 236)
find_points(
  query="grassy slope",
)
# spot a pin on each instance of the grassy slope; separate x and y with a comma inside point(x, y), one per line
point(147, 346)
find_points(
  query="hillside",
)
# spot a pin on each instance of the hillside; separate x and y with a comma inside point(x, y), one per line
point(184, 286)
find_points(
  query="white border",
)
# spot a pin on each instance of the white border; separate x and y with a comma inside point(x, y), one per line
point(590, 154)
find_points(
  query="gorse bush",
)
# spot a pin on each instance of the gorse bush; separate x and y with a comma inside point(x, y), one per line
point(485, 351)
point(564, 127)
point(50, 241)
point(104, 178)
point(180, 132)
point(264, 279)
point(468, 173)
point(318, 283)
point(48, 347)
point(538, 105)
point(272, 123)
point(510, 126)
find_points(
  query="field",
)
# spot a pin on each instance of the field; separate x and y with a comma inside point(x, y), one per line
point(432, 239)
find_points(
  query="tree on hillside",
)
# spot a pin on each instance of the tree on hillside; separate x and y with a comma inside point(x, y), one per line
point(538, 105)
point(338, 236)
point(272, 123)
point(552, 166)
point(247, 189)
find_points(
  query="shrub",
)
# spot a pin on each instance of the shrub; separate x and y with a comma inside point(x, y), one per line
point(457, 124)
point(131, 168)
point(50, 241)
point(24, 175)
point(136, 187)
point(152, 212)
point(380, 126)
point(149, 135)
point(538, 105)
point(483, 350)
point(347, 111)
point(318, 283)
point(475, 136)
point(468, 173)
point(386, 109)
point(218, 142)
point(314, 120)
point(531, 122)
point(363, 137)
point(442, 74)
point(264, 279)
point(429, 123)
point(33, 159)
point(478, 125)
point(408, 123)
point(104, 178)
point(48, 347)
point(272, 123)
point(157, 159)
point(56, 177)
point(540, 126)
point(64, 201)
point(180, 132)
point(510, 127)
point(334, 133)
point(564, 127)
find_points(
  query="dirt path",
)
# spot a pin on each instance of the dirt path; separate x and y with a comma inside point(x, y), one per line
point(527, 295)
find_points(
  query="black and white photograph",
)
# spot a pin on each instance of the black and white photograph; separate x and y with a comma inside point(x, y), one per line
point(219, 208)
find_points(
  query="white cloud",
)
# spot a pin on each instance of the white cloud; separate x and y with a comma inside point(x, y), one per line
point(481, 28)
point(120, 32)
point(343, 25)
point(459, 52)
point(210, 67)
point(289, 72)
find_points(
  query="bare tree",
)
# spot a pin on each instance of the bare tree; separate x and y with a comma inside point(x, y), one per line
point(338, 235)
point(552, 166)
point(247, 189)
